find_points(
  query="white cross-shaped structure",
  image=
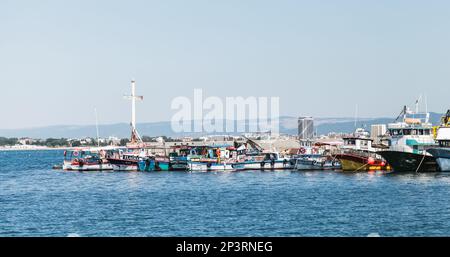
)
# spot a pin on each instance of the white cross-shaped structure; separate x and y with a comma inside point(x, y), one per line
point(135, 137)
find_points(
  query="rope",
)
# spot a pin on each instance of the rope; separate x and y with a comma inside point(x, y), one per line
point(361, 167)
point(420, 164)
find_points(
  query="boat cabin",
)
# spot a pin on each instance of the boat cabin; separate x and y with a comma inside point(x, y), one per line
point(443, 136)
point(358, 143)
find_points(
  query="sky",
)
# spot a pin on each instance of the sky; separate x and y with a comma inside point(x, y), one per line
point(59, 60)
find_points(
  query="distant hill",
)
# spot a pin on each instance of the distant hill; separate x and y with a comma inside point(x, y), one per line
point(288, 125)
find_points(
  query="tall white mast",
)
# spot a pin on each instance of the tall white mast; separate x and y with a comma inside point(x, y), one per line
point(133, 104)
point(135, 137)
point(96, 126)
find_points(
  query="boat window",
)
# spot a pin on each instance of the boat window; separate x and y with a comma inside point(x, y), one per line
point(444, 143)
point(350, 141)
point(396, 132)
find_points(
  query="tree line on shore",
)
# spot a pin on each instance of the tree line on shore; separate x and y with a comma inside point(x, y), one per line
point(62, 142)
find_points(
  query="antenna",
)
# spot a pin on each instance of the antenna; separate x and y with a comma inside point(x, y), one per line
point(417, 103)
point(96, 126)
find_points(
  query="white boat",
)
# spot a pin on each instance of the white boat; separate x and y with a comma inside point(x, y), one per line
point(86, 159)
point(269, 164)
point(210, 166)
point(442, 153)
point(408, 142)
point(267, 161)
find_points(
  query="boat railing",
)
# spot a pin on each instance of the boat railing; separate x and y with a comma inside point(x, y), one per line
point(366, 154)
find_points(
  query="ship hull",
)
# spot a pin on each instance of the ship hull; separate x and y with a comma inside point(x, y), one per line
point(123, 165)
point(315, 165)
point(268, 165)
point(160, 165)
point(442, 156)
point(178, 167)
point(356, 163)
point(410, 162)
point(87, 167)
point(205, 167)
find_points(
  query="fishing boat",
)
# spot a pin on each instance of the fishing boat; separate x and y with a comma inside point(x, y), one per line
point(210, 166)
point(211, 158)
point(316, 162)
point(357, 154)
point(251, 156)
point(442, 153)
point(177, 162)
point(86, 159)
point(311, 156)
point(408, 142)
point(266, 161)
point(124, 160)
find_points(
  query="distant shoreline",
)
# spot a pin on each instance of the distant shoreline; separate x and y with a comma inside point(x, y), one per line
point(44, 148)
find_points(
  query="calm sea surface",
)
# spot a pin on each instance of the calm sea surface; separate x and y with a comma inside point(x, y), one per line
point(38, 201)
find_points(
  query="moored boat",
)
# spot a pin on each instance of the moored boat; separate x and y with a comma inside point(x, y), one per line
point(313, 156)
point(358, 161)
point(358, 154)
point(408, 142)
point(442, 158)
point(86, 159)
point(442, 153)
point(316, 163)
point(177, 162)
point(126, 162)
point(210, 166)
point(266, 161)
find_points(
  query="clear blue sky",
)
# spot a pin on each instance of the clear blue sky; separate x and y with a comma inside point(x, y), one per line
point(61, 59)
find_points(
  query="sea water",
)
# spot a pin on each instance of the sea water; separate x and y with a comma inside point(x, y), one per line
point(38, 201)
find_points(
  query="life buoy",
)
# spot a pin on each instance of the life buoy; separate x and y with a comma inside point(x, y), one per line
point(302, 150)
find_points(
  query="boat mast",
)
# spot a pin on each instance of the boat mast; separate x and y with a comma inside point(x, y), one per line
point(135, 137)
point(96, 126)
point(417, 103)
